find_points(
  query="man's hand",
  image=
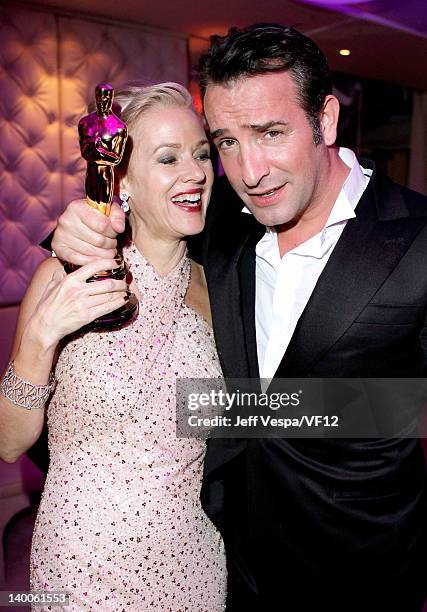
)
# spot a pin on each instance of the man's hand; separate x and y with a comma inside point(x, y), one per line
point(84, 234)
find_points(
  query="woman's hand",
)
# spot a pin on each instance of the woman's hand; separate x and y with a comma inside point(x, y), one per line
point(84, 233)
point(69, 302)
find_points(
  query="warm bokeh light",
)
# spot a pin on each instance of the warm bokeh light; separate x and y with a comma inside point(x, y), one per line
point(345, 52)
point(197, 98)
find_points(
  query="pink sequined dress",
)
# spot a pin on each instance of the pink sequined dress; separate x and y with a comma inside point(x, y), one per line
point(120, 525)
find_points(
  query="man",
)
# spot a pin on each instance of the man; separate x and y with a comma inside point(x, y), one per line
point(316, 269)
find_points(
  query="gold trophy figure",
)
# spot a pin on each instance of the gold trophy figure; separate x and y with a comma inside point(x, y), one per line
point(103, 139)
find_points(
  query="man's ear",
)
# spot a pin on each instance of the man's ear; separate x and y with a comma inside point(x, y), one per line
point(329, 120)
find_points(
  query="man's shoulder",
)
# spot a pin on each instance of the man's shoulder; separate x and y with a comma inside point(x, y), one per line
point(391, 193)
point(222, 214)
point(417, 202)
point(224, 198)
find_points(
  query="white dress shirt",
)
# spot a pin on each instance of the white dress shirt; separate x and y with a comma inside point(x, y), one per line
point(284, 285)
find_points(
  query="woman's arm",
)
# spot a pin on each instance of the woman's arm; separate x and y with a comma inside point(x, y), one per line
point(54, 306)
point(20, 428)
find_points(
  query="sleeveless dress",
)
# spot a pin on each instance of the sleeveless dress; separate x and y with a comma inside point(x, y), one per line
point(120, 525)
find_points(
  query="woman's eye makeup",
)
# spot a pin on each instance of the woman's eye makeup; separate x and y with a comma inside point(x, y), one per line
point(170, 159)
point(167, 159)
point(203, 155)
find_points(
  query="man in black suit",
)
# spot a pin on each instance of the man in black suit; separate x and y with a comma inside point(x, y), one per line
point(316, 267)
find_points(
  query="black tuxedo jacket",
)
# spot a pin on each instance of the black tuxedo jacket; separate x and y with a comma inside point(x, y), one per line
point(315, 520)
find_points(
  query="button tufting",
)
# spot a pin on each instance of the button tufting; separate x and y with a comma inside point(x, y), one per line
point(38, 179)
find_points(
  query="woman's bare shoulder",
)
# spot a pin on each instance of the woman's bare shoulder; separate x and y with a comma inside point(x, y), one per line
point(197, 296)
point(49, 266)
point(198, 274)
point(44, 274)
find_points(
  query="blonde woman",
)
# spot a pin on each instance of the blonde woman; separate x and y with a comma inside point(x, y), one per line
point(120, 526)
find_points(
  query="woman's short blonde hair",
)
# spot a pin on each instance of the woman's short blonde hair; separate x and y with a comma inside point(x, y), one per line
point(136, 98)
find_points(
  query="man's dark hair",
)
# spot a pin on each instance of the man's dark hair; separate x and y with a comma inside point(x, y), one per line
point(264, 48)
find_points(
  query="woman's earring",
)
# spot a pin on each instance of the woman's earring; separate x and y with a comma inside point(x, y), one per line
point(124, 197)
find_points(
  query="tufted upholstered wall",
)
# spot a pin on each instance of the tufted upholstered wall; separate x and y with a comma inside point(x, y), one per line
point(30, 191)
point(49, 65)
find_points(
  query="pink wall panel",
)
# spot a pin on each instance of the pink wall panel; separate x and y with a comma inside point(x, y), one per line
point(29, 144)
point(49, 66)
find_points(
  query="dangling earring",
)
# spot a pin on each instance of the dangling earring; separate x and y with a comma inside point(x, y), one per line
point(124, 196)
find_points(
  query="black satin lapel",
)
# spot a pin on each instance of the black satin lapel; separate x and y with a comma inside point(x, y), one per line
point(231, 318)
point(247, 277)
point(366, 253)
point(220, 451)
point(222, 272)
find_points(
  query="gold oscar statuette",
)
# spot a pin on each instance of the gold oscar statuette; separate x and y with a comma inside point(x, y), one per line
point(103, 139)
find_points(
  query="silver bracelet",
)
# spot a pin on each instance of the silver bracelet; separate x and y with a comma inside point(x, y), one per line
point(23, 393)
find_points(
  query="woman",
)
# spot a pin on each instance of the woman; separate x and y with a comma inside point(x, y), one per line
point(120, 524)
